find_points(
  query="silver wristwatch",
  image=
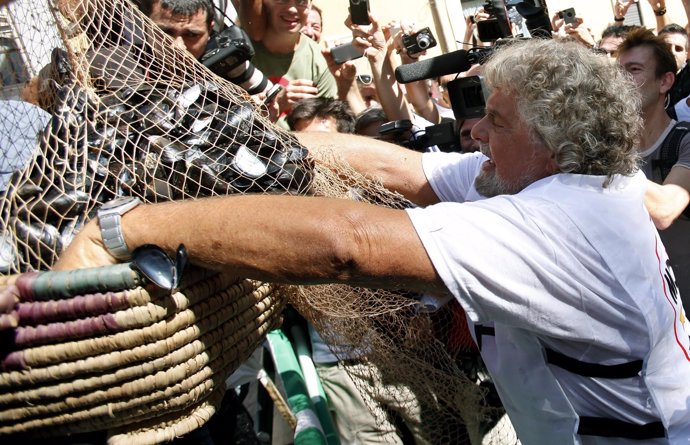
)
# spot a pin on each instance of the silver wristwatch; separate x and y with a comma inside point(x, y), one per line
point(109, 216)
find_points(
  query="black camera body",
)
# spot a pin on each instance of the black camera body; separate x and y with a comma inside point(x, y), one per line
point(359, 12)
point(419, 41)
point(228, 54)
point(227, 50)
point(497, 26)
point(468, 97)
point(536, 18)
point(568, 15)
point(346, 51)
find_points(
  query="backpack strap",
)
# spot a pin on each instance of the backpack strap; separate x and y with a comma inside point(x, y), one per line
point(670, 149)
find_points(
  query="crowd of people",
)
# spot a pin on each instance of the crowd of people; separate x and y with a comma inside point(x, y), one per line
point(559, 219)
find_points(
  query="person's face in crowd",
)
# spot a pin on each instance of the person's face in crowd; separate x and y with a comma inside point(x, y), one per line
point(317, 124)
point(515, 159)
point(312, 28)
point(287, 16)
point(678, 44)
point(189, 31)
point(610, 45)
point(641, 64)
point(467, 144)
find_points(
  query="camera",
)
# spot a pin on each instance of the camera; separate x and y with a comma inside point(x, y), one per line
point(536, 19)
point(402, 132)
point(346, 51)
point(359, 12)
point(228, 54)
point(497, 25)
point(568, 15)
point(419, 41)
point(468, 97)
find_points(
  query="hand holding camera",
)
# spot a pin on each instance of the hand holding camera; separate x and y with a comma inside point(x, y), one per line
point(370, 40)
point(418, 42)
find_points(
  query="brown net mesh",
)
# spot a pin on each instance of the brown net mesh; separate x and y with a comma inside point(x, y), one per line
point(118, 111)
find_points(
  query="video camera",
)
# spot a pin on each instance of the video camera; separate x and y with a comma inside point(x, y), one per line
point(497, 26)
point(536, 17)
point(228, 54)
point(442, 135)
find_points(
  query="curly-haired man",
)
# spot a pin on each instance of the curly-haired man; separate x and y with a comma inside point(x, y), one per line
point(557, 257)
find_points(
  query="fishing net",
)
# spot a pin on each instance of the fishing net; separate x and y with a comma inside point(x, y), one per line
point(99, 104)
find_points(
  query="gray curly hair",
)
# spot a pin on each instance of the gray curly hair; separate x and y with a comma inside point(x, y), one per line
point(583, 107)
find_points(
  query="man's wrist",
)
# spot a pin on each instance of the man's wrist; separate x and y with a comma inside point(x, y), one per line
point(659, 12)
point(619, 19)
point(110, 223)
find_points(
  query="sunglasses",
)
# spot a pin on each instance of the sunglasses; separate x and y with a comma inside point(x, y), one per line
point(157, 267)
point(364, 79)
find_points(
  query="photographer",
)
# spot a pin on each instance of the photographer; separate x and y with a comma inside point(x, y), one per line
point(190, 23)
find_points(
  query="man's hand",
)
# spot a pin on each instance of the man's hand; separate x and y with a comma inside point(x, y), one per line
point(657, 4)
point(345, 72)
point(295, 91)
point(622, 6)
point(369, 38)
point(580, 32)
point(85, 250)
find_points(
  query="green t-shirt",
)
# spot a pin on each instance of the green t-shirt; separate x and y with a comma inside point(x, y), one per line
point(306, 62)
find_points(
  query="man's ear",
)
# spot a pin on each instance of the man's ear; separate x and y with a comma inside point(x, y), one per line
point(667, 80)
point(213, 25)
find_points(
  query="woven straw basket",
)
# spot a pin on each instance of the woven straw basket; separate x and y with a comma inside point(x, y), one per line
point(93, 350)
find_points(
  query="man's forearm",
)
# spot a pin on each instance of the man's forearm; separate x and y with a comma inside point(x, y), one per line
point(665, 203)
point(281, 239)
point(397, 168)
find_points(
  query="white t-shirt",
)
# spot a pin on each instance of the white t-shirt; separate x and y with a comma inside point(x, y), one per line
point(574, 267)
point(682, 110)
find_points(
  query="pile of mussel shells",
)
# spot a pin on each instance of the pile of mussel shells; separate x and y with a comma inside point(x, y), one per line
point(152, 141)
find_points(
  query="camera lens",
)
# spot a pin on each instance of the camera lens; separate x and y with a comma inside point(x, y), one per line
point(423, 41)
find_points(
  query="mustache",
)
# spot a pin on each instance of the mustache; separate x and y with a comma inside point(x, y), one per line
point(484, 149)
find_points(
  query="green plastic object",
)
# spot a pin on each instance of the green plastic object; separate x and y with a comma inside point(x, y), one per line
point(314, 388)
point(309, 430)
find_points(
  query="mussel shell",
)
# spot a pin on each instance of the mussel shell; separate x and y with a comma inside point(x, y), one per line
point(28, 190)
point(41, 239)
point(169, 152)
point(294, 178)
point(8, 252)
point(248, 163)
point(296, 153)
point(57, 205)
point(189, 96)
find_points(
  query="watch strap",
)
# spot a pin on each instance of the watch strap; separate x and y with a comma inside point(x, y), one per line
point(110, 222)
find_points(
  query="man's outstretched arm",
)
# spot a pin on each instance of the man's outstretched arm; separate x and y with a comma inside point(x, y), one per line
point(282, 239)
point(399, 169)
point(665, 202)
